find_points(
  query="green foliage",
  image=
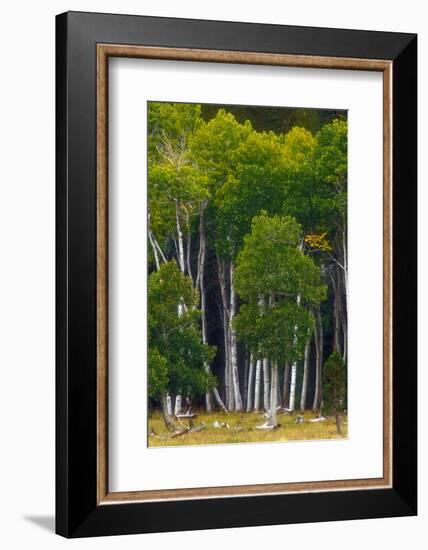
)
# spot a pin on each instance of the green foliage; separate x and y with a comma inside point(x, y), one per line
point(279, 284)
point(157, 372)
point(334, 385)
point(215, 150)
point(175, 184)
point(255, 184)
point(169, 127)
point(277, 332)
point(176, 354)
point(332, 152)
point(331, 168)
point(214, 145)
point(272, 263)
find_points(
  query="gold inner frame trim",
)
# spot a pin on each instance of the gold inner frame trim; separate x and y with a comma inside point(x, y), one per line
point(104, 51)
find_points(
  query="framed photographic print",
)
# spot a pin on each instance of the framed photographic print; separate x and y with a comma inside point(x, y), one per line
point(236, 274)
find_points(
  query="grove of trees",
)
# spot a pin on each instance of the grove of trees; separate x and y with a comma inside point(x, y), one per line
point(247, 233)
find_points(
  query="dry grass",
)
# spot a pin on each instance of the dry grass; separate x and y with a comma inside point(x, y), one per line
point(242, 429)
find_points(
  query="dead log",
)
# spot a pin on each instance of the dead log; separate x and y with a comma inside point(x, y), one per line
point(318, 419)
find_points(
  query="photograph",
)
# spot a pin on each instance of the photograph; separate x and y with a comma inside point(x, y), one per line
point(213, 256)
point(247, 274)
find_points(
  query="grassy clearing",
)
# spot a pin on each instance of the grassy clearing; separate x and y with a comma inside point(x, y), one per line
point(242, 429)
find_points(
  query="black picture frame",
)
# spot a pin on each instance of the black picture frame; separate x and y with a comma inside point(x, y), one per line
point(77, 512)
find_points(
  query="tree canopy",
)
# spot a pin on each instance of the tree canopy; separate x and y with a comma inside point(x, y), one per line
point(247, 232)
point(176, 353)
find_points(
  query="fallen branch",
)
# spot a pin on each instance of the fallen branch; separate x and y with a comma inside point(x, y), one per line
point(179, 432)
point(189, 430)
point(267, 426)
point(201, 426)
point(318, 419)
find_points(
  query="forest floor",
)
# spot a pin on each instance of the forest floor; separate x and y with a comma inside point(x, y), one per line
point(240, 427)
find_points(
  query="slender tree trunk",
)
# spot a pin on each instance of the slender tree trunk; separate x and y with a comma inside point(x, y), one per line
point(233, 345)
point(278, 385)
point(219, 399)
point(188, 258)
point(168, 404)
point(319, 343)
point(305, 372)
point(246, 368)
point(266, 382)
point(286, 387)
point(266, 385)
point(338, 427)
point(336, 310)
point(345, 266)
point(167, 412)
point(294, 367)
point(155, 252)
point(257, 385)
point(205, 341)
point(273, 395)
point(159, 249)
point(177, 406)
point(181, 262)
point(227, 370)
point(226, 318)
point(344, 315)
point(292, 404)
point(345, 341)
point(250, 384)
point(201, 281)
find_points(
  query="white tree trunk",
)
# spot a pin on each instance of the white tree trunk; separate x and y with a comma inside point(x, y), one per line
point(159, 249)
point(233, 346)
point(168, 405)
point(208, 399)
point(177, 406)
point(235, 374)
point(188, 259)
point(305, 373)
point(225, 317)
point(219, 399)
point(181, 262)
point(293, 386)
point(167, 412)
point(227, 370)
point(266, 385)
point(257, 385)
point(188, 245)
point(245, 393)
point(155, 252)
point(250, 384)
point(201, 280)
point(294, 370)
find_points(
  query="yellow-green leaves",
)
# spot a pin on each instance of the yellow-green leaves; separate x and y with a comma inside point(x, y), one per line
point(319, 242)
